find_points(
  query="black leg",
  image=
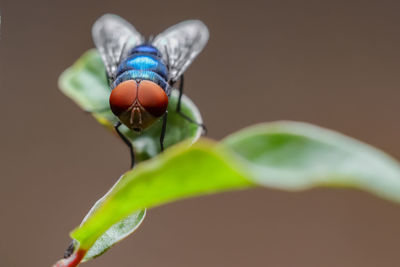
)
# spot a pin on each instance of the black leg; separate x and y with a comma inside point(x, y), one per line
point(127, 142)
point(163, 129)
point(178, 107)
point(68, 252)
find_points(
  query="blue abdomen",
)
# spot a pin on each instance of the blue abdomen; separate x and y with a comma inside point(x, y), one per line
point(143, 63)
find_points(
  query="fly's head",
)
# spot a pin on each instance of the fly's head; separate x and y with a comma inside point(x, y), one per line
point(138, 104)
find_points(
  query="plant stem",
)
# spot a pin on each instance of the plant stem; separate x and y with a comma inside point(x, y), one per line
point(72, 260)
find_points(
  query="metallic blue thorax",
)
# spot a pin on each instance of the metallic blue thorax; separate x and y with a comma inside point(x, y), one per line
point(144, 62)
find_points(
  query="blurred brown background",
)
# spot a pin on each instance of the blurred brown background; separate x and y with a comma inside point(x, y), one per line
point(332, 63)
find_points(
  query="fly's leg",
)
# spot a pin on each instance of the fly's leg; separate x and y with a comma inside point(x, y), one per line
point(127, 142)
point(163, 129)
point(68, 252)
point(178, 108)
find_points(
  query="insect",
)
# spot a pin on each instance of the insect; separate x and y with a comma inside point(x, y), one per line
point(141, 73)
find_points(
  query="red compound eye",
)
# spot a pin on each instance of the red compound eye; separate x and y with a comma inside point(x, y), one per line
point(123, 96)
point(152, 98)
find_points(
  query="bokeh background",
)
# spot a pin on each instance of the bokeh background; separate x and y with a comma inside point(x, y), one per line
point(332, 63)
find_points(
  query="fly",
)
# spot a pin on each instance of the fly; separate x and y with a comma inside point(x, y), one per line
point(142, 73)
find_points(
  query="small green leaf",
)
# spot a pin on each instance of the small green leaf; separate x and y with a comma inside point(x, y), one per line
point(284, 155)
point(86, 84)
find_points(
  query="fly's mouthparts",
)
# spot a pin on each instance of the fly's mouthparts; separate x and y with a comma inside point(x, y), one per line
point(136, 117)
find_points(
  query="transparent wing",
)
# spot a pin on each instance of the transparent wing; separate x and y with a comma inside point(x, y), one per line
point(114, 37)
point(180, 44)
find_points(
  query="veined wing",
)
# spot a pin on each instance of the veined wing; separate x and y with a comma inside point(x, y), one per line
point(114, 37)
point(180, 44)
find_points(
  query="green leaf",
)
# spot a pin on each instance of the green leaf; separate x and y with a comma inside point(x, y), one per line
point(284, 155)
point(86, 84)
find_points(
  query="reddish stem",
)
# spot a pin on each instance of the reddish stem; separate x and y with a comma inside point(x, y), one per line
point(72, 260)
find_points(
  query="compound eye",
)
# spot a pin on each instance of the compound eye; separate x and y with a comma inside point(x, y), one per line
point(152, 98)
point(123, 96)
